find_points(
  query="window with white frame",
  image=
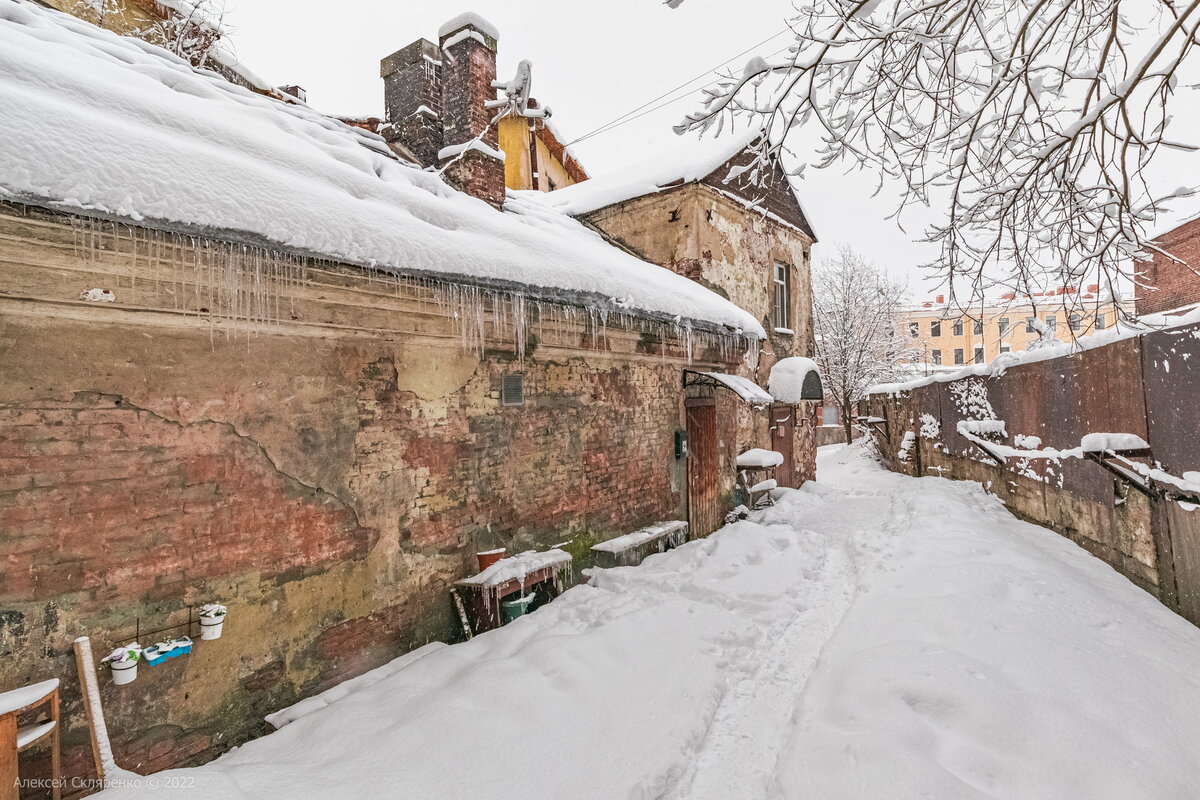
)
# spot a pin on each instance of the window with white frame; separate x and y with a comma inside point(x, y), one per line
point(782, 310)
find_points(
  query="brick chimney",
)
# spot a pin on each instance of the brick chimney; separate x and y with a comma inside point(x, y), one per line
point(471, 155)
point(412, 96)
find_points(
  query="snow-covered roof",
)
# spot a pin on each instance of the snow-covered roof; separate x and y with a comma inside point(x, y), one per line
point(97, 123)
point(687, 161)
point(795, 379)
point(744, 388)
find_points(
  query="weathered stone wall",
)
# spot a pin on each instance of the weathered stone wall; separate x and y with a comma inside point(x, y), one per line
point(1140, 386)
point(324, 456)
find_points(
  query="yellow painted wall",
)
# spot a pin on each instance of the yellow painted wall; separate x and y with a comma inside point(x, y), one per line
point(514, 141)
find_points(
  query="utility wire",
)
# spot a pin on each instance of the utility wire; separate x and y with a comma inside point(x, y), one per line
point(629, 115)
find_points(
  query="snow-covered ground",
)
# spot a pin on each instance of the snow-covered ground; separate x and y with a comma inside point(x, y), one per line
point(871, 636)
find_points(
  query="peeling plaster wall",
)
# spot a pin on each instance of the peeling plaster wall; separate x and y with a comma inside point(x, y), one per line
point(327, 475)
point(720, 243)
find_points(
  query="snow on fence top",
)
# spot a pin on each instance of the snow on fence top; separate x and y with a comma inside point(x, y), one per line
point(97, 123)
point(686, 162)
point(788, 377)
point(758, 458)
point(1148, 324)
point(518, 566)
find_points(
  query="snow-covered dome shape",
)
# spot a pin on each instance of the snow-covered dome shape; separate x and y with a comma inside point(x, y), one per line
point(795, 379)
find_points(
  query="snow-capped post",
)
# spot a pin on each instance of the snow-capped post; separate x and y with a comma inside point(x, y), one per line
point(212, 620)
point(123, 662)
point(471, 158)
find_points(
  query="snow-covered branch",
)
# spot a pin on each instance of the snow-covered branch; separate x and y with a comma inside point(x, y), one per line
point(1030, 123)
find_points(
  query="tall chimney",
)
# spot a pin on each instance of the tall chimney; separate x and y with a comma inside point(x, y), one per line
point(471, 157)
point(412, 95)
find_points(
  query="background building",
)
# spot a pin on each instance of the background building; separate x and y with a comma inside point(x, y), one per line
point(950, 336)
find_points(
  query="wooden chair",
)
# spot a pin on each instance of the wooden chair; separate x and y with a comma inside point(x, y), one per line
point(13, 739)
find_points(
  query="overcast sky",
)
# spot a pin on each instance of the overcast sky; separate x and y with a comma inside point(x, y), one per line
point(592, 63)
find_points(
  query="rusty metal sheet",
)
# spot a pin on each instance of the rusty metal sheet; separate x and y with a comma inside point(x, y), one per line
point(1171, 370)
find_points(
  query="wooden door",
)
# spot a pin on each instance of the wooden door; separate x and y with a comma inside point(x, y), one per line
point(783, 438)
point(704, 511)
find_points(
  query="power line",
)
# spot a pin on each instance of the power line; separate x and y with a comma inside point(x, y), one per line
point(629, 116)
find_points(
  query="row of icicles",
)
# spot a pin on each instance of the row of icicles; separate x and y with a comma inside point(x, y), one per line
point(257, 287)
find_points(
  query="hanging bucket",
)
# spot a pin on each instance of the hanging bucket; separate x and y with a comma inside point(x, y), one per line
point(124, 672)
point(489, 557)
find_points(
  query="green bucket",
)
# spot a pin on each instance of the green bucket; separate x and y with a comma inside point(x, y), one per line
point(511, 609)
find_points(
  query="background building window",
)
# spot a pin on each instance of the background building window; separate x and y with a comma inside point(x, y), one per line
point(937, 357)
point(783, 295)
point(958, 356)
point(1101, 323)
point(1005, 348)
point(1076, 322)
point(935, 327)
point(1004, 325)
point(1029, 321)
point(829, 415)
point(978, 355)
point(1052, 323)
point(958, 327)
point(979, 327)
point(914, 329)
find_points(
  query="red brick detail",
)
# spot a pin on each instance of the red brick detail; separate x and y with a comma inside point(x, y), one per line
point(98, 496)
point(1174, 284)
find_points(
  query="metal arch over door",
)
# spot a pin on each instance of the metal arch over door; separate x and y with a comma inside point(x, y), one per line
point(704, 511)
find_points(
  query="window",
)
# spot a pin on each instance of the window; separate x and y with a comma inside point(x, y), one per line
point(937, 357)
point(958, 327)
point(1075, 321)
point(1005, 323)
point(979, 327)
point(978, 355)
point(958, 356)
point(1005, 348)
point(1029, 324)
point(1101, 323)
point(551, 185)
point(783, 295)
point(914, 329)
point(829, 415)
point(1052, 322)
point(512, 390)
point(935, 327)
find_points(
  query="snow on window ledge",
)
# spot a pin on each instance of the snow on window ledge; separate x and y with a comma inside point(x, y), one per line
point(788, 331)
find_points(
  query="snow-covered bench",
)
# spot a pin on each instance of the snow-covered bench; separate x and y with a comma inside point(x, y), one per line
point(756, 475)
point(633, 548)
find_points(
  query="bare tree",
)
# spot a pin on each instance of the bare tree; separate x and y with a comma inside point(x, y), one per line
point(191, 29)
point(857, 327)
point(1035, 119)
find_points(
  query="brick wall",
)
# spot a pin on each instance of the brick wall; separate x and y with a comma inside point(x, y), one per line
point(1170, 284)
point(327, 476)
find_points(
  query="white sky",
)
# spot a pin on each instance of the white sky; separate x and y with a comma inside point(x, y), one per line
point(592, 63)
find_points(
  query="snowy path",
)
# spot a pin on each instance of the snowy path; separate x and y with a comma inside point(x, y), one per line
point(871, 636)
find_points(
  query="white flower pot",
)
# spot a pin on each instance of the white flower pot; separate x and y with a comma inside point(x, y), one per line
point(123, 673)
point(210, 627)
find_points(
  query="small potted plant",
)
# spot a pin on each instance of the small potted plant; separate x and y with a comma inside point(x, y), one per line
point(212, 620)
point(123, 663)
